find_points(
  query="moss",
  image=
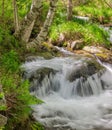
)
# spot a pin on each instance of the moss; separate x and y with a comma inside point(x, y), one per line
point(102, 55)
point(97, 66)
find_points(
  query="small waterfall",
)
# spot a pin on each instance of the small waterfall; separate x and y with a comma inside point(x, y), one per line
point(66, 89)
point(77, 95)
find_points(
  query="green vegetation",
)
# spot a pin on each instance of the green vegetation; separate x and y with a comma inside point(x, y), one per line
point(10, 61)
point(16, 92)
point(7, 40)
point(96, 10)
point(90, 33)
point(13, 51)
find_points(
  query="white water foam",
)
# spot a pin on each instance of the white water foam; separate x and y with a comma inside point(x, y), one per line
point(63, 108)
point(80, 113)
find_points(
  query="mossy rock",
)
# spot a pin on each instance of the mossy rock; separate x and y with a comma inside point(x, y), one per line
point(102, 55)
point(38, 76)
point(86, 69)
point(45, 50)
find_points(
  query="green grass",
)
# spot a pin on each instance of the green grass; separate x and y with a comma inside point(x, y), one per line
point(97, 14)
point(90, 33)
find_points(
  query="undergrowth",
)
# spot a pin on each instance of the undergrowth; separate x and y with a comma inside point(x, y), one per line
point(90, 33)
point(16, 91)
point(96, 12)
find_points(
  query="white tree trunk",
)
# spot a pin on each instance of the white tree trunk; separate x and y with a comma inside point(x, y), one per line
point(45, 29)
point(29, 20)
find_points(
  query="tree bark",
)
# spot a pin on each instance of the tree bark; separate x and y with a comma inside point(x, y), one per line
point(16, 19)
point(45, 29)
point(27, 24)
point(69, 10)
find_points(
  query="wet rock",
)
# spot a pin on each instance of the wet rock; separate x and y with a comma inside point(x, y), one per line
point(41, 73)
point(82, 74)
point(85, 70)
point(38, 76)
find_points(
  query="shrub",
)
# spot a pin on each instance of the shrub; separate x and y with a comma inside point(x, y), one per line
point(10, 61)
point(18, 100)
point(7, 41)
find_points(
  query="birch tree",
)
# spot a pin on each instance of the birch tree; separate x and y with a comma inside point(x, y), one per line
point(45, 29)
point(31, 19)
point(28, 22)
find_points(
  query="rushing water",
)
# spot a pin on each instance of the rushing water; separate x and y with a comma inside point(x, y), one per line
point(72, 105)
